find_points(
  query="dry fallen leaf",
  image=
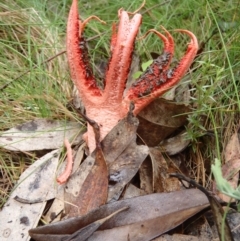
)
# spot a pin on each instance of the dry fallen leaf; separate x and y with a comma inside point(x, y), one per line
point(162, 118)
point(24, 207)
point(177, 237)
point(161, 180)
point(132, 191)
point(93, 191)
point(88, 230)
point(174, 145)
point(124, 168)
point(40, 134)
point(146, 218)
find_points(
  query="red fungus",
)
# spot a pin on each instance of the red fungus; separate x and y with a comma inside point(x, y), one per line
point(108, 106)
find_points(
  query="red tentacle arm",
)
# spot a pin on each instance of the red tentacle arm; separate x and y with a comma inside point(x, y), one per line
point(158, 79)
point(108, 106)
point(81, 73)
point(120, 63)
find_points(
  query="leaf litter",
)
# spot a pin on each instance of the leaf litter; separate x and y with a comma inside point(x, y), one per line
point(147, 217)
point(162, 117)
point(83, 196)
point(123, 158)
point(84, 192)
point(40, 134)
point(27, 201)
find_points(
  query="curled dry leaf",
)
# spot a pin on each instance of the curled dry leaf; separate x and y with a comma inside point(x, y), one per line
point(146, 218)
point(88, 230)
point(162, 118)
point(40, 134)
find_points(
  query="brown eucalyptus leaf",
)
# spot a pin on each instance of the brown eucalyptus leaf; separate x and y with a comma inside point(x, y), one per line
point(124, 168)
point(119, 138)
point(77, 179)
point(40, 134)
point(93, 191)
point(178, 237)
point(161, 180)
point(146, 177)
point(174, 145)
point(87, 231)
point(147, 217)
point(132, 191)
point(24, 207)
point(162, 118)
